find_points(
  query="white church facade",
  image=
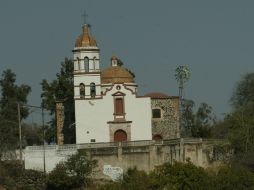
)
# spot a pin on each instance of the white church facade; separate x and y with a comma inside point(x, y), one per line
point(107, 105)
point(108, 109)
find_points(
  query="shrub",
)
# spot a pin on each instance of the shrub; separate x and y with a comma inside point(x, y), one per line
point(234, 178)
point(75, 172)
point(182, 176)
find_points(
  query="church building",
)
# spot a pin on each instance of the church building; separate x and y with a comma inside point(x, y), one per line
point(107, 105)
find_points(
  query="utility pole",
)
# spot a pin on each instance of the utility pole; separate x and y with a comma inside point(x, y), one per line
point(43, 128)
point(20, 137)
point(182, 75)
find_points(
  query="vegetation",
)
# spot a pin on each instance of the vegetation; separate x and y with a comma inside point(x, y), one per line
point(13, 176)
point(11, 94)
point(185, 176)
point(197, 124)
point(60, 89)
point(73, 173)
point(76, 172)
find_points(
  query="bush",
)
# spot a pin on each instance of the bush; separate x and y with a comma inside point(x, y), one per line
point(60, 179)
point(14, 176)
point(182, 176)
point(234, 178)
point(73, 173)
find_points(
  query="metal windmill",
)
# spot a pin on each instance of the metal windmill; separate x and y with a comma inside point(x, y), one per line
point(182, 75)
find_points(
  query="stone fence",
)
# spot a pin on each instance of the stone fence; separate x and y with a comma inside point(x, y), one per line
point(145, 155)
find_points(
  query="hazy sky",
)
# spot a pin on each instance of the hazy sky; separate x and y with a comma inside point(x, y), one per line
point(214, 38)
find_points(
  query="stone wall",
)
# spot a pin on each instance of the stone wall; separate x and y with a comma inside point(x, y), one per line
point(59, 122)
point(168, 125)
point(145, 155)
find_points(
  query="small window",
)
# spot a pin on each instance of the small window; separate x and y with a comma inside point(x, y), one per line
point(119, 110)
point(86, 63)
point(92, 90)
point(94, 63)
point(92, 140)
point(156, 113)
point(82, 92)
point(78, 64)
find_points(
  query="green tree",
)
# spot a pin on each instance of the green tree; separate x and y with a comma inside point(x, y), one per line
point(61, 89)
point(75, 172)
point(197, 124)
point(240, 122)
point(11, 94)
point(32, 134)
point(188, 116)
point(204, 120)
point(234, 178)
point(243, 96)
point(181, 176)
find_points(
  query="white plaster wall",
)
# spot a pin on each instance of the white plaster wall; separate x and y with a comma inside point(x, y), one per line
point(139, 111)
point(90, 54)
point(92, 117)
point(34, 158)
point(86, 80)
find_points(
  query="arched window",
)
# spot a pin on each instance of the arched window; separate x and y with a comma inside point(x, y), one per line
point(157, 137)
point(94, 63)
point(78, 64)
point(86, 63)
point(92, 89)
point(82, 92)
point(120, 135)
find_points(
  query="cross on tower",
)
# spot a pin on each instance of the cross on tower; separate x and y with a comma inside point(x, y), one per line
point(84, 15)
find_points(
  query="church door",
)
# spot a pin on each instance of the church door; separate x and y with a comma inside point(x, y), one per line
point(120, 135)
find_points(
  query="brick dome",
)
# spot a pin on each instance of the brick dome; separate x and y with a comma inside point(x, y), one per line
point(116, 74)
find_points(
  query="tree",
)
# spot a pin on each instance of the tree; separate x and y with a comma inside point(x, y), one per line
point(197, 124)
point(234, 178)
point(240, 121)
point(73, 173)
point(243, 95)
point(61, 89)
point(11, 94)
point(188, 116)
point(204, 120)
point(32, 134)
point(182, 176)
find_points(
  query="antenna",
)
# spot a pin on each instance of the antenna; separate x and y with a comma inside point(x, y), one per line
point(182, 75)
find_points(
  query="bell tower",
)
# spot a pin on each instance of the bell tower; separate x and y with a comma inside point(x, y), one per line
point(86, 60)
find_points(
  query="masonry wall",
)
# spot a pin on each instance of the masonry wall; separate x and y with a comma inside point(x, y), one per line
point(145, 155)
point(168, 125)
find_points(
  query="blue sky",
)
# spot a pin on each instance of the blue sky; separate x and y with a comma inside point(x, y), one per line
point(214, 38)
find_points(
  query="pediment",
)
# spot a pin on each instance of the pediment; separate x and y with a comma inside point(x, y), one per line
point(118, 94)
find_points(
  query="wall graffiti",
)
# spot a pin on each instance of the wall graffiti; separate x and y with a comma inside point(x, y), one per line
point(115, 173)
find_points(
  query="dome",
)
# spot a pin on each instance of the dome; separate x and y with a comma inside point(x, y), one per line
point(85, 39)
point(157, 95)
point(116, 74)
